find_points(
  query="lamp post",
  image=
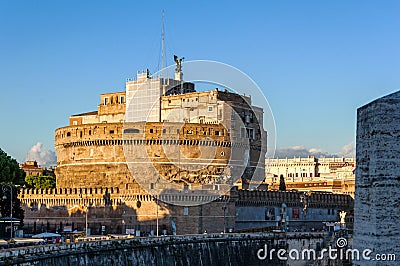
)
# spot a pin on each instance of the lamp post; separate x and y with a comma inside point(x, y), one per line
point(5, 188)
point(224, 208)
point(86, 224)
point(86, 205)
point(157, 216)
point(152, 187)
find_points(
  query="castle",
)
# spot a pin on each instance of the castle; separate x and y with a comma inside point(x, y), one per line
point(159, 156)
point(195, 142)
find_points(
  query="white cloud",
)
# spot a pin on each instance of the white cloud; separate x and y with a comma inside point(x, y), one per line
point(43, 156)
point(348, 150)
point(301, 151)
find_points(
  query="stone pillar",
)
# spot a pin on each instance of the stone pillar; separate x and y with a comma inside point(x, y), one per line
point(377, 195)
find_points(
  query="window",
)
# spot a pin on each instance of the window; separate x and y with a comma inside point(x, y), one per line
point(111, 131)
point(250, 133)
point(151, 130)
point(164, 131)
point(185, 211)
point(105, 100)
point(131, 131)
point(74, 122)
point(247, 132)
point(210, 108)
point(122, 99)
point(68, 134)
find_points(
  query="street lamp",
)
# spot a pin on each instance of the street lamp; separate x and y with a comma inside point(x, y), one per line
point(86, 224)
point(152, 187)
point(224, 208)
point(5, 188)
point(86, 205)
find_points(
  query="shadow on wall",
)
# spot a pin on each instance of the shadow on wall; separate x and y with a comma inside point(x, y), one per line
point(135, 215)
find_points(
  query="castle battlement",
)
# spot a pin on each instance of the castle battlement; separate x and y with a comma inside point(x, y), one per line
point(293, 198)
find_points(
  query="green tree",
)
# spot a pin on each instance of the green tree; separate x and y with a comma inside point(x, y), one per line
point(5, 203)
point(10, 171)
point(40, 181)
point(10, 176)
point(282, 185)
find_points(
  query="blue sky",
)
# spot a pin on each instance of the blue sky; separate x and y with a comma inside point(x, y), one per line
point(316, 61)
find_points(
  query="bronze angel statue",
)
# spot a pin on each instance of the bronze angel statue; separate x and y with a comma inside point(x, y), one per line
point(178, 63)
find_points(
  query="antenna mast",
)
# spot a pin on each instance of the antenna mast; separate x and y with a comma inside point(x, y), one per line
point(162, 48)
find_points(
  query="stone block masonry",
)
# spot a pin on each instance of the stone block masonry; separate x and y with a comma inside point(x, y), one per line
point(377, 195)
point(212, 249)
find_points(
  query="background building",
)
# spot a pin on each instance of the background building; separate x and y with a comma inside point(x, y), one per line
point(31, 168)
point(316, 174)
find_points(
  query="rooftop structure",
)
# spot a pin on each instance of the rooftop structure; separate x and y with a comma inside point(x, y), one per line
point(316, 174)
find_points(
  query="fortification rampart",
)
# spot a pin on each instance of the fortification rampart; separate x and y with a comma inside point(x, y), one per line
point(93, 155)
point(293, 198)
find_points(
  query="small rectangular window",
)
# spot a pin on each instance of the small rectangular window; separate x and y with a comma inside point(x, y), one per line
point(122, 99)
point(151, 130)
point(111, 131)
point(105, 100)
point(185, 211)
point(74, 122)
point(210, 108)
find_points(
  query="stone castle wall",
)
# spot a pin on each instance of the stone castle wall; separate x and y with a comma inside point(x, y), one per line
point(92, 155)
point(118, 210)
